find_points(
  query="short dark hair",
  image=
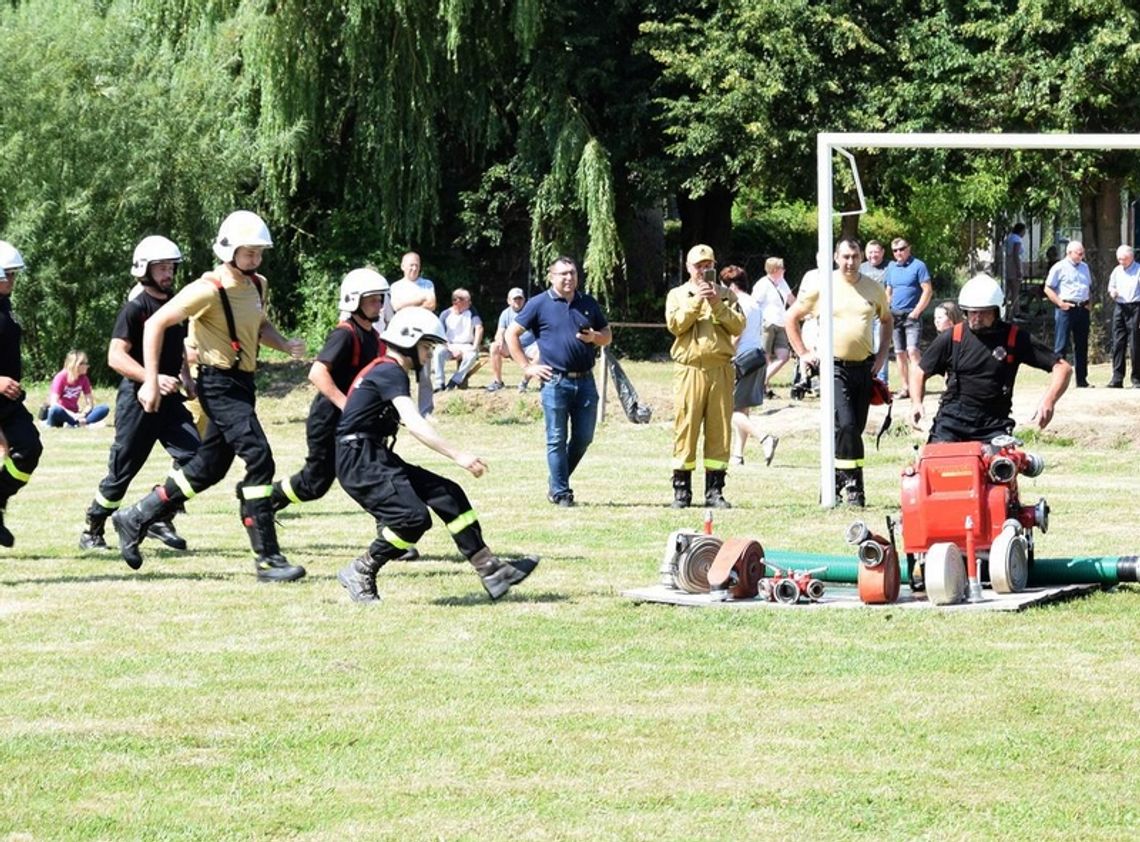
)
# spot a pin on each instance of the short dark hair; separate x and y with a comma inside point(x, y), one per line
point(734, 275)
point(851, 241)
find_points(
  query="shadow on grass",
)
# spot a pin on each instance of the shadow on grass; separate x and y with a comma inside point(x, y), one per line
point(124, 577)
point(481, 598)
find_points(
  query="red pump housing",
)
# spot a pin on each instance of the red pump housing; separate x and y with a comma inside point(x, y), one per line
point(955, 480)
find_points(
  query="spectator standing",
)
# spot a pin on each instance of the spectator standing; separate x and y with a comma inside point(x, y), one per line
point(856, 302)
point(1124, 289)
point(348, 348)
point(499, 350)
point(21, 440)
point(946, 315)
point(227, 317)
point(1013, 249)
point(750, 364)
point(875, 268)
point(136, 432)
point(909, 290)
point(773, 296)
point(70, 387)
point(980, 359)
point(464, 331)
point(412, 290)
point(1069, 286)
point(704, 318)
point(568, 327)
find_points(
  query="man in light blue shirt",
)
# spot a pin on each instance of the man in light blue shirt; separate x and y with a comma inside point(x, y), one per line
point(1069, 285)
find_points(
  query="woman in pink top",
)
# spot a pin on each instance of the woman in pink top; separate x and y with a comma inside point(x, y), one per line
point(67, 388)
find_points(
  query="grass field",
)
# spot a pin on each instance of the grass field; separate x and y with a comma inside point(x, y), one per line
point(187, 701)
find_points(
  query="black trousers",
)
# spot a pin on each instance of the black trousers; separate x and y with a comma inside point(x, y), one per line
point(136, 433)
point(852, 404)
point(1126, 336)
point(316, 476)
point(24, 448)
point(399, 495)
point(228, 399)
point(955, 422)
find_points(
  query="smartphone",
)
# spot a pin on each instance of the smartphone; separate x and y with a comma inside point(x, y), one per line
point(710, 276)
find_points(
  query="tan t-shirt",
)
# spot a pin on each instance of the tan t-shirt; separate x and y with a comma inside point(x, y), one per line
point(209, 333)
point(855, 307)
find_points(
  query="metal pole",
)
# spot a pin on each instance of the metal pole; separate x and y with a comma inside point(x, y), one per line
point(824, 250)
point(604, 389)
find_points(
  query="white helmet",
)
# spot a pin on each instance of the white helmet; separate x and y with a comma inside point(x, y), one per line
point(980, 293)
point(410, 325)
point(357, 284)
point(153, 249)
point(241, 228)
point(10, 258)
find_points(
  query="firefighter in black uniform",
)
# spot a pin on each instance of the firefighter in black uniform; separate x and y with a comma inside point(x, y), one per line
point(227, 322)
point(352, 345)
point(21, 438)
point(136, 432)
point(980, 364)
point(393, 491)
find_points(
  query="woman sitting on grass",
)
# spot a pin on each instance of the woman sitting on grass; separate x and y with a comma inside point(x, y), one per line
point(67, 388)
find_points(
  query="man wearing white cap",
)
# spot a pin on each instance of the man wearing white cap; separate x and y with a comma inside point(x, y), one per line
point(499, 349)
point(703, 316)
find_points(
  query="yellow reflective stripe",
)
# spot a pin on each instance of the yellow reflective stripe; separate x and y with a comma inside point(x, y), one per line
point(395, 540)
point(287, 487)
point(256, 492)
point(847, 464)
point(462, 522)
point(715, 465)
point(684, 466)
point(16, 473)
point(183, 483)
point(105, 503)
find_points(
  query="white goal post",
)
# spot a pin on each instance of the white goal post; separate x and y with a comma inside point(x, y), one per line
point(829, 143)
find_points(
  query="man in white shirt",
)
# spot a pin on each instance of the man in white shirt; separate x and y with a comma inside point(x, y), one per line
point(1124, 289)
point(464, 331)
point(773, 296)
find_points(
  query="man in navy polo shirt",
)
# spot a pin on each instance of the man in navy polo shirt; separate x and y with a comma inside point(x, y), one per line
point(909, 290)
point(568, 327)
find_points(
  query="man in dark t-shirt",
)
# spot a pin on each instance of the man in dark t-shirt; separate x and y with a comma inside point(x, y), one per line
point(396, 493)
point(980, 359)
point(136, 431)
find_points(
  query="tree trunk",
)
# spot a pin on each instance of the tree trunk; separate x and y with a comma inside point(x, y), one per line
point(707, 219)
point(643, 240)
point(1101, 217)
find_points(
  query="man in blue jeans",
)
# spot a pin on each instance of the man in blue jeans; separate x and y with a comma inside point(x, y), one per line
point(909, 289)
point(568, 327)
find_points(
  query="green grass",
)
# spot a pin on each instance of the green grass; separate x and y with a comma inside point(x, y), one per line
point(186, 701)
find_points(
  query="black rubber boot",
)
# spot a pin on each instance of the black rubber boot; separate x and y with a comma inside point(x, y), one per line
point(132, 523)
point(714, 490)
point(163, 530)
point(497, 575)
point(682, 489)
point(93, 537)
point(359, 577)
point(854, 488)
point(7, 539)
point(270, 565)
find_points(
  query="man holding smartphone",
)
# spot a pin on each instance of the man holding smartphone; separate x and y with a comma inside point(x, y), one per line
point(568, 327)
point(703, 316)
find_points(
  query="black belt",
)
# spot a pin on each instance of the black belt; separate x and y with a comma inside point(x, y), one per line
point(1084, 303)
point(363, 437)
point(574, 375)
point(853, 363)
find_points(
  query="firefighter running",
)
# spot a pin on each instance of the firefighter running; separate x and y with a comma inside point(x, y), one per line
point(154, 262)
point(398, 494)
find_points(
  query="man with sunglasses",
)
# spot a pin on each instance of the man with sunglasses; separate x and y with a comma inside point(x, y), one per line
point(909, 290)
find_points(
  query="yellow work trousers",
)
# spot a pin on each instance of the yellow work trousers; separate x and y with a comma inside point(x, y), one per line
point(702, 397)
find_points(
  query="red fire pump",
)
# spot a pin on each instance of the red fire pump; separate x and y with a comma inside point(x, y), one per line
point(960, 501)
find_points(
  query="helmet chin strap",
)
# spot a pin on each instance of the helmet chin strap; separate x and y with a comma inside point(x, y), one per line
point(249, 273)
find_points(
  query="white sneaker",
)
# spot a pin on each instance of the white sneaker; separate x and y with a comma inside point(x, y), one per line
point(769, 444)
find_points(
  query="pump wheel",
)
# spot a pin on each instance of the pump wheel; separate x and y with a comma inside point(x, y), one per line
point(1009, 562)
point(945, 574)
point(694, 562)
point(879, 583)
point(738, 567)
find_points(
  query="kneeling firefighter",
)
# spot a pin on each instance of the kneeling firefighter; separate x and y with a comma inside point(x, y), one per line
point(980, 359)
point(396, 493)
